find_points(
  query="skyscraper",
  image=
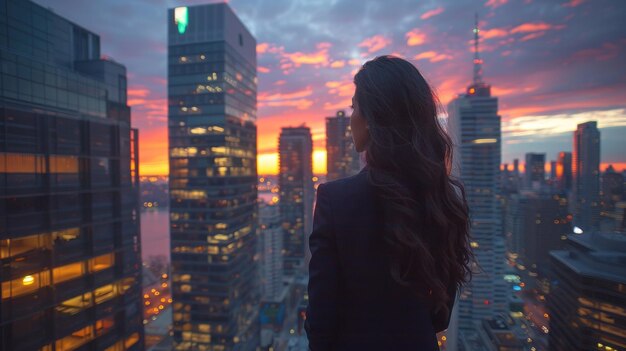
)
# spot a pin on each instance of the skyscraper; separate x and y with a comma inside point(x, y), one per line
point(271, 246)
point(564, 171)
point(535, 173)
point(212, 87)
point(586, 176)
point(69, 226)
point(587, 300)
point(612, 188)
point(342, 160)
point(295, 180)
point(474, 125)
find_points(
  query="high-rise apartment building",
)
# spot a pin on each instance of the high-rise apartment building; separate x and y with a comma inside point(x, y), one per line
point(587, 300)
point(342, 160)
point(212, 86)
point(69, 216)
point(474, 125)
point(295, 181)
point(534, 173)
point(586, 176)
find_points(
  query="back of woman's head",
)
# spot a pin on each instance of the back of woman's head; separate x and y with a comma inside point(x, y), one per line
point(409, 156)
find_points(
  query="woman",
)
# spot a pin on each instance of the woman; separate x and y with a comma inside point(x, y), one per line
point(390, 245)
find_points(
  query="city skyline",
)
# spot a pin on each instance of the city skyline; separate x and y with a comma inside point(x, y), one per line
point(543, 99)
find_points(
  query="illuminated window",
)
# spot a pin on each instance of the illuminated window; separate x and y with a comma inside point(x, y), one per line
point(22, 163)
point(63, 164)
point(74, 305)
point(118, 346)
point(104, 325)
point(25, 285)
point(105, 293)
point(102, 262)
point(75, 339)
point(68, 272)
point(185, 288)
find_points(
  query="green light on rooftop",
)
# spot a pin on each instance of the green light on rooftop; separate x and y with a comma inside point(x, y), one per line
point(181, 17)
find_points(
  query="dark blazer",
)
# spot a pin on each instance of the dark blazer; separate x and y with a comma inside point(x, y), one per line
point(354, 303)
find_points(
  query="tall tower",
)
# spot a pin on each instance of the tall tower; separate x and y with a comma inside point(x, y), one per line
point(295, 180)
point(474, 125)
point(69, 217)
point(535, 172)
point(586, 176)
point(342, 160)
point(212, 87)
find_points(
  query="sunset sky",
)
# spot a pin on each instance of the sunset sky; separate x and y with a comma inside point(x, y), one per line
point(552, 63)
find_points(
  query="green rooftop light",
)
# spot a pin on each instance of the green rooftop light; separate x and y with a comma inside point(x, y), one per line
point(181, 17)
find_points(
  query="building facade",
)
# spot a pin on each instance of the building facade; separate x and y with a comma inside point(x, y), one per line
point(212, 87)
point(564, 171)
point(474, 125)
point(586, 176)
point(271, 251)
point(535, 173)
point(69, 216)
point(342, 160)
point(295, 180)
point(587, 300)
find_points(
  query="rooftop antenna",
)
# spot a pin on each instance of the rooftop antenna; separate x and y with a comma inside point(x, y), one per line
point(478, 63)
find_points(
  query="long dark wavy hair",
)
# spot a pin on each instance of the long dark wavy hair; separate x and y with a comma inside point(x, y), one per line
point(409, 156)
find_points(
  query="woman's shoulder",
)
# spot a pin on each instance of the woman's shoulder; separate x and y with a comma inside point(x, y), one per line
point(352, 183)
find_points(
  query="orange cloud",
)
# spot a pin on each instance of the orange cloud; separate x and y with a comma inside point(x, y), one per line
point(319, 57)
point(341, 105)
point(338, 64)
point(264, 97)
point(532, 36)
point(432, 56)
point(495, 3)
point(262, 69)
point(341, 88)
point(375, 43)
point(535, 27)
point(432, 13)
point(415, 37)
point(354, 62)
point(262, 48)
point(493, 33)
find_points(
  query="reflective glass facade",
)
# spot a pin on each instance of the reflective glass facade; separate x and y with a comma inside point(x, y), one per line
point(342, 160)
point(212, 145)
point(69, 226)
point(295, 180)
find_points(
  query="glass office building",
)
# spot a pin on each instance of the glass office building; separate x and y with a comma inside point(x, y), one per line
point(342, 160)
point(295, 181)
point(69, 226)
point(212, 88)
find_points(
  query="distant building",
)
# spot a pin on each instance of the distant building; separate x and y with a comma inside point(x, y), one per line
point(69, 214)
point(535, 224)
point(342, 160)
point(495, 334)
point(588, 297)
point(586, 176)
point(564, 171)
point(271, 236)
point(295, 181)
point(474, 125)
point(535, 173)
point(212, 90)
point(612, 188)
